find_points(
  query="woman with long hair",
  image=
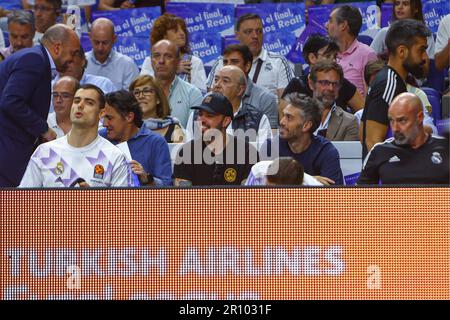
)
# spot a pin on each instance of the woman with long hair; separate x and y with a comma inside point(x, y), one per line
point(155, 109)
point(402, 9)
point(171, 27)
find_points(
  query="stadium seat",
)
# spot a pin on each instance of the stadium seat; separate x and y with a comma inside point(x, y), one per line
point(435, 78)
point(365, 39)
point(435, 99)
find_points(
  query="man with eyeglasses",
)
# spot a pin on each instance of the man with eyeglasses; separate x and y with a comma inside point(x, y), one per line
point(21, 32)
point(25, 92)
point(63, 92)
point(78, 70)
point(269, 70)
point(325, 79)
point(46, 13)
point(319, 48)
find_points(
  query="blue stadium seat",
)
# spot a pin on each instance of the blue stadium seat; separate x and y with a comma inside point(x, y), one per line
point(365, 39)
point(435, 78)
point(435, 99)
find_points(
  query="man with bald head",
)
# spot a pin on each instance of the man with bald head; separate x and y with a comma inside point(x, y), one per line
point(104, 61)
point(411, 156)
point(181, 94)
point(63, 92)
point(25, 91)
point(231, 81)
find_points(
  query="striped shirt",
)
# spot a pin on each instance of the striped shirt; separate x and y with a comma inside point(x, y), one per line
point(384, 88)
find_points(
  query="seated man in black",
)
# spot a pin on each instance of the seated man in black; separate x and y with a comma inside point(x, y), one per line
point(214, 157)
point(412, 156)
point(319, 48)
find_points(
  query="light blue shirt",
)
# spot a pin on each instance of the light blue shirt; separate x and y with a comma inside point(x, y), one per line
point(118, 68)
point(103, 83)
point(183, 96)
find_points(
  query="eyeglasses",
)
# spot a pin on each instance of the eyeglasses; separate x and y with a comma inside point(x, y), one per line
point(42, 8)
point(62, 95)
point(326, 83)
point(146, 92)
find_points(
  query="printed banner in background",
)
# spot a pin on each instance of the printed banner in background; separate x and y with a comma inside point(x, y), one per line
point(246, 243)
point(281, 17)
point(205, 17)
point(211, 1)
point(227, 40)
point(295, 55)
point(137, 48)
point(279, 42)
point(434, 11)
point(386, 14)
point(206, 45)
point(10, 4)
point(318, 15)
point(131, 22)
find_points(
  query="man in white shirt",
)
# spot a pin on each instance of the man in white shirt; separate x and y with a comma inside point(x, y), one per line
point(81, 158)
point(62, 96)
point(269, 70)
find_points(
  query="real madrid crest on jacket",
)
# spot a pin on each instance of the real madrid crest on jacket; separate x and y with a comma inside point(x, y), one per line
point(390, 163)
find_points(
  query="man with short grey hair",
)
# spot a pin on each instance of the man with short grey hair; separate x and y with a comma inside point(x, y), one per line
point(21, 32)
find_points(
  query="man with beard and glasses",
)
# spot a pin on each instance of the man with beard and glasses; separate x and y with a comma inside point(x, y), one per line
point(214, 157)
point(336, 124)
point(412, 156)
point(25, 92)
point(406, 41)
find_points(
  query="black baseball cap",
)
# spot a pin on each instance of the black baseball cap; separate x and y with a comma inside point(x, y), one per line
point(216, 103)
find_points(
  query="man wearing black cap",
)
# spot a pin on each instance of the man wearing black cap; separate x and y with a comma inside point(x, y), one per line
point(214, 157)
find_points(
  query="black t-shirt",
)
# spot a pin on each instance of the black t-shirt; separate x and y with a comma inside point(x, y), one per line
point(300, 85)
point(385, 87)
point(196, 163)
point(394, 164)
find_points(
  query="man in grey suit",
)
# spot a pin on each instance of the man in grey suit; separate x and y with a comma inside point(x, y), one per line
point(325, 79)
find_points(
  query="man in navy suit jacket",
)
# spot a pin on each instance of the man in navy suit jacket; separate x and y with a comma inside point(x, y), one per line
point(25, 91)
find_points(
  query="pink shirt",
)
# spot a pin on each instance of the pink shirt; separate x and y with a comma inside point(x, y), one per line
point(353, 60)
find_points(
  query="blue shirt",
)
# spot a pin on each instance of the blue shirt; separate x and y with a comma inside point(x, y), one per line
point(118, 68)
point(321, 158)
point(152, 152)
point(183, 96)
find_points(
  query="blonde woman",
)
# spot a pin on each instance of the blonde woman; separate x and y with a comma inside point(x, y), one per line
point(155, 109)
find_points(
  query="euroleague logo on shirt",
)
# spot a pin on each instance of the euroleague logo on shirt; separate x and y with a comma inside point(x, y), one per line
point(99, 171)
